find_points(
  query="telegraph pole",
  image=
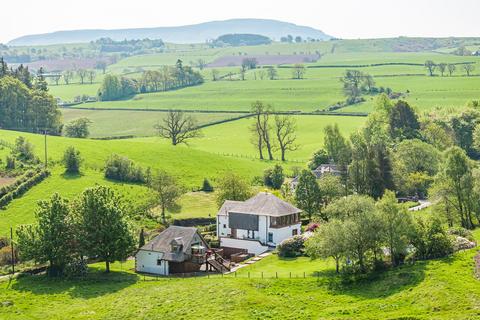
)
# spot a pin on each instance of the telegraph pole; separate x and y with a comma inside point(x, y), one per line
point(46, 161)
point(12, 251)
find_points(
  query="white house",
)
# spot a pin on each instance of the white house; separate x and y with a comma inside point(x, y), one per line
point(257, 224)
point(318, 173)
point(175, 250)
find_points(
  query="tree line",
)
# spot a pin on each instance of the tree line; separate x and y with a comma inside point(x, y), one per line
point(442, 67)
point(168, 78)
point(25, 103)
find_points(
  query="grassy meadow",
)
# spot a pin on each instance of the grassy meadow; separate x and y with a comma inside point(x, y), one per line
point(426, 290)
point(233, 138)
point(110, 123)
point(320, 88)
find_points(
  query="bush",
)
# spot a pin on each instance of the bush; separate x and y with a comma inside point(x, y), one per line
point(274, 177)
point(10, 163)
point(77, 128)
point(76, 268)
point(6, 255)
point(311, 227)
point(123, 169)
point(461, 232)
point(207, 186)
point(461, 243)
point(431, 240)
point(22, 187)
point(72, 160)
point(291, 247)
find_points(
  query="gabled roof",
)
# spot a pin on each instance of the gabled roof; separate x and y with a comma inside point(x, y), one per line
point(263, 203)
point(173, 234)
point(226, 206)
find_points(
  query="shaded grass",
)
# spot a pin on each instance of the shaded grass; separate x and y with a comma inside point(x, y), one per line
point(438, 289)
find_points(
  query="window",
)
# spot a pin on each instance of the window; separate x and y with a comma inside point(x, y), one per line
point(159, 262)
point(294, 232)
point(224, 226)
point(270, 237)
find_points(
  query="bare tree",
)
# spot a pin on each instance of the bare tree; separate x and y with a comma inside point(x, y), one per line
point(201, 64)
point(468, 67)
point(263, 127)
point(285, 128)
point(430, 65)
point(215, 74)
point(451, 68)
point(272, 73)
point(67, 76)
point(261, 74)
point(178, 127)
point(442, 67)
point(91, 75)
point(56, 78)
point(242, 73)
point(82, 74)
point(298, 71)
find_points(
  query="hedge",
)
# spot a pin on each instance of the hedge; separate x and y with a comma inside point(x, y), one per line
point(6, 189)
point(23, 187)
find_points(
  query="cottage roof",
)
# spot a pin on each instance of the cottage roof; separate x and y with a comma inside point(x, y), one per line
point(183, 236)
point(263, 203)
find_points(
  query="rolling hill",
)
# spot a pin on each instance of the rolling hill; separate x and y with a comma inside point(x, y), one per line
point(196, 33)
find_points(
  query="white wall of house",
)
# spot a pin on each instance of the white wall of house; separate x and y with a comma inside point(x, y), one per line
point(222, 226)
point(280, 234)
point(148, 261)
point(251, 246)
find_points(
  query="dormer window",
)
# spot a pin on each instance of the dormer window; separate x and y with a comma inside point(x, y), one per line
point(176, 245)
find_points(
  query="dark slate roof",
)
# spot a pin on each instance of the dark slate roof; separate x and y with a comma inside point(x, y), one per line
point(226, 206)
point(263, 203)
point(162, 243)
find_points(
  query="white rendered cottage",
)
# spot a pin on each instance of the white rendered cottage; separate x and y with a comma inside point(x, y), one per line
point(257, 224)
point(175, 250)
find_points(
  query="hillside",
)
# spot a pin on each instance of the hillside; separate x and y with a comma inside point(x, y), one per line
point(196, 33)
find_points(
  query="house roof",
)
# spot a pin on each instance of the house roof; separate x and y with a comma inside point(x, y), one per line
point(263, 203)
point(173, 234)
point(227, 206)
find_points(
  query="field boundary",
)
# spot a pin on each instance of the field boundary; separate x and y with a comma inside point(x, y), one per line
point(247, 113)
point(370, 65)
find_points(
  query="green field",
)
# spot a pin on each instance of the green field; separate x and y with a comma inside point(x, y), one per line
point(110, 123)
point(233, 138)
point(426, 290)
point(320, 88)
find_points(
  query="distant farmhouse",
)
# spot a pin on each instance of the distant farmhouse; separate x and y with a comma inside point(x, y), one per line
point(319, 172)
point(257, 224)
point(177, 250)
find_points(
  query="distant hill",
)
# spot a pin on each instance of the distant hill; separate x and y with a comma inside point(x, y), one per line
point(196, 33)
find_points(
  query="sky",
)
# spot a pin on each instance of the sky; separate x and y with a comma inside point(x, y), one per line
point(349, 19)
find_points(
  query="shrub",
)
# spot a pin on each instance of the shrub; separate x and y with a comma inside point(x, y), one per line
point(461, 232)
point(23, 186)
point(431, 240)
point(123, 169)
point(76, 268)
point(312, 227)
point(274, 177)
point(6, 255)
point(291, 247)
point(72, 160)
point(10, 163)
point(207, 186)
point(461, 243)
point(77, 128)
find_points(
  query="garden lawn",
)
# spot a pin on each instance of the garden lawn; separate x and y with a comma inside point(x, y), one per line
point(438, 289)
